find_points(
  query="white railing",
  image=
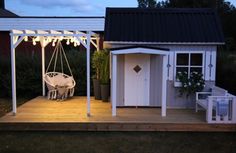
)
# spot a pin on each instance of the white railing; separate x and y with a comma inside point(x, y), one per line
point(221, 109)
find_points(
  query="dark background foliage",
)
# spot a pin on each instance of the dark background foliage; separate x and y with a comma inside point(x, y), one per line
point(28, 72)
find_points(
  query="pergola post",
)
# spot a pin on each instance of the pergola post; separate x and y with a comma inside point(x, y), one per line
point(43, 65)
point(15, 41)
point(164, 88)
point(13, 74)
point(98, 43)
point(88, 71)
point(114, 84)
point(43, 44)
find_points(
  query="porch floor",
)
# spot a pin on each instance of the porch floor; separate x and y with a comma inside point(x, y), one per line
point(43, 114)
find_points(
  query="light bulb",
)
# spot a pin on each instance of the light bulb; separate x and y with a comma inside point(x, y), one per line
point(26, 38)
point(53, 43)
point(34, 42)
point(68, 42)
point(75, 44)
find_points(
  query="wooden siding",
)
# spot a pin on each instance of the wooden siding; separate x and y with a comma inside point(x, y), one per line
point(155, 80)
point(209, 50)
point(120, 80)
point(173, 98)
point(40, 114)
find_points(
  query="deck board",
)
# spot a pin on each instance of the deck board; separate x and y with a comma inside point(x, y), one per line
point(43, 114)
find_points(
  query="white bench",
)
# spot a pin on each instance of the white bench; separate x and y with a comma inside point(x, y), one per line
point(220, 106)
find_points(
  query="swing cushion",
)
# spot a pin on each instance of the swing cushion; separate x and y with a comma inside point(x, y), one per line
point(60, 80)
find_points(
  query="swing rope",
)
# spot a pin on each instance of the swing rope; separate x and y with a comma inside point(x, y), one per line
point(59, 51)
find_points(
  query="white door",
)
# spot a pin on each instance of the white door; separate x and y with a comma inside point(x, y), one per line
point(137, 80)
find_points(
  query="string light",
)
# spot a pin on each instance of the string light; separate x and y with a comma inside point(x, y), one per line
point(72, 40)
point(68, 42)
point(34, 42)
point(53, 43)
point(78, 43)
point(75, 44)
point(26, 38)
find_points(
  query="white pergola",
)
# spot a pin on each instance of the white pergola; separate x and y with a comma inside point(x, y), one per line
point(44, 37)
point(48, 29)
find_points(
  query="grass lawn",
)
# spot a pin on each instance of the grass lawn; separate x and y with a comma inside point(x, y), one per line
point(117, 142)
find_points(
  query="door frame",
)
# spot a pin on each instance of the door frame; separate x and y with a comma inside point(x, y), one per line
point(144, 50)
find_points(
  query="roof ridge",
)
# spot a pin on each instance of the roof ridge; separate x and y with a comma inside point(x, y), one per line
point(167, 10)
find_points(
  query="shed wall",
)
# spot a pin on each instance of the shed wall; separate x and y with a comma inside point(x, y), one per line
point(173, 98)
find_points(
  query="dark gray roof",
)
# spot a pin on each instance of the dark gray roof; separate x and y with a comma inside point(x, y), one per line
point(163, 25)
point(6, 13)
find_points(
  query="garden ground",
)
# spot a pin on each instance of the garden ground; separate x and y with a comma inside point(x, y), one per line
point(117, 142)
point(6, 105)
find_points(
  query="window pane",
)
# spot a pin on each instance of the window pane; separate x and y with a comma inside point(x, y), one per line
point(196, 69)
point(182, 59)
point(182, 70)
point(196, 59)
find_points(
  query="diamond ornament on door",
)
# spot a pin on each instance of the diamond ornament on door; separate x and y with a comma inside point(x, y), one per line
point(137, 68)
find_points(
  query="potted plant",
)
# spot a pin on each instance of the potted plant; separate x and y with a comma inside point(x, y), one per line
point(105, 76)
point(97, 59)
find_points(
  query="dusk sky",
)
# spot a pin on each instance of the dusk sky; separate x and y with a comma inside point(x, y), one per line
point(67, 7)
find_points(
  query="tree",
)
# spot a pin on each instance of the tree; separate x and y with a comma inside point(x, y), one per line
point(147, 3)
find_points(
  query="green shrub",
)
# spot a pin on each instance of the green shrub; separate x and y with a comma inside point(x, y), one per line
point(97, 60)
point(29, 77)
point(105, 68)
point(225, 70)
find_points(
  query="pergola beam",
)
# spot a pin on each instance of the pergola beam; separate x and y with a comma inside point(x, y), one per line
point(17, 41)
point(95, 44)
point(81, 41)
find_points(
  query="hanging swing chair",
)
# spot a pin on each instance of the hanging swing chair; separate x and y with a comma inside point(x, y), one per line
point(60, 86)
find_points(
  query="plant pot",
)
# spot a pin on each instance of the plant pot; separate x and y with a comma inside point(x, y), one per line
point(105, 92)
point(97, 89)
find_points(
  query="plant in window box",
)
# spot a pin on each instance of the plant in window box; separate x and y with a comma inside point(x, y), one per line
point(192, 84)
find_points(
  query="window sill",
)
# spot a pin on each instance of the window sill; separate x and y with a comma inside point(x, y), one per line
point(177, 84)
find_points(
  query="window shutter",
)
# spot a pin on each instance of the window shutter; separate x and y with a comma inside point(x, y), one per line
point(207, 64)
point(170, 66)
point(213, 68)
point(210, 65)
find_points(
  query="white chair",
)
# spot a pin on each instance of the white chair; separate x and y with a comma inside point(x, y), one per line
point(220, 106)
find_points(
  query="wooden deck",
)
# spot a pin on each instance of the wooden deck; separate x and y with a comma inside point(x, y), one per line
point(42, 114)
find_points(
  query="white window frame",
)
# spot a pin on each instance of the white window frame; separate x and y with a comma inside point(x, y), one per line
point(177, 83)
